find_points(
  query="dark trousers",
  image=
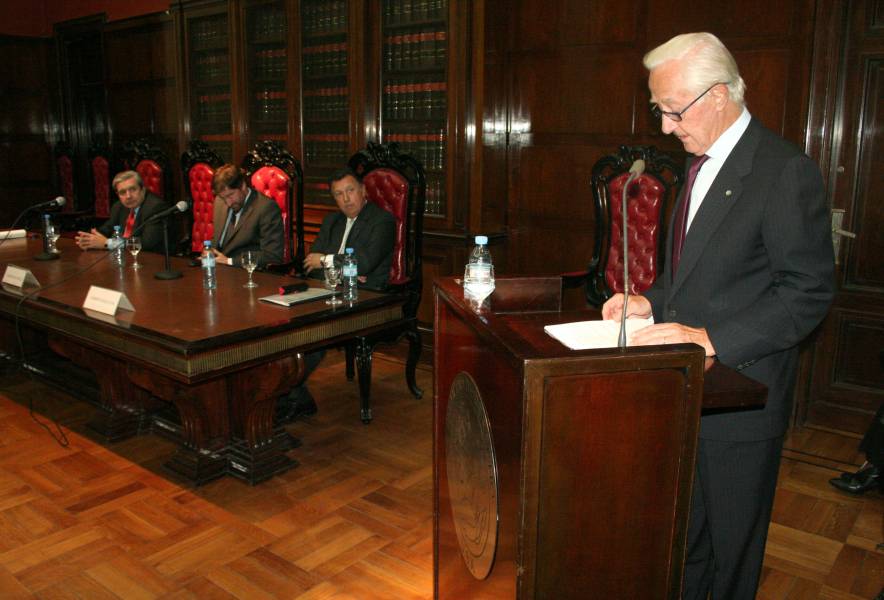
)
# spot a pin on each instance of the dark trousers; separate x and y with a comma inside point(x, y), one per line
point(734, 486)
point(873, 440)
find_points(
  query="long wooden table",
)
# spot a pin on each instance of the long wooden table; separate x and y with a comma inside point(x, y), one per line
point(221, 356)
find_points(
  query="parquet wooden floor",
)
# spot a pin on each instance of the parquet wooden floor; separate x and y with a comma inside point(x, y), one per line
point(354, 520)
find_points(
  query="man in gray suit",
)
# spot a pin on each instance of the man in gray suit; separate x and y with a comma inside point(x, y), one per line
point(753, 277)
point(244, 220)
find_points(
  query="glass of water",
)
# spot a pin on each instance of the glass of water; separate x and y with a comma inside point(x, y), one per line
point(249, 263)
point(134, 245)
point(333, 277)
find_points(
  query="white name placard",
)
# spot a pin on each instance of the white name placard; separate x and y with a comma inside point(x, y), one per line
point(18, 276)
point(106, 301)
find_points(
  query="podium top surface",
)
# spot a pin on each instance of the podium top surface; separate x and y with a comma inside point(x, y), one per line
point(516, 313)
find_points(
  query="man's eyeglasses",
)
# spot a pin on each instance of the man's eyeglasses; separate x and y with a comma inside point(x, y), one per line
point(676, 116)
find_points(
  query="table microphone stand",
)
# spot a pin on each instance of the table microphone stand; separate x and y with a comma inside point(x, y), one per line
point(167, 273)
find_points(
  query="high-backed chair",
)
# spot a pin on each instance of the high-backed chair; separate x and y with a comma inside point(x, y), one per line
point(151, 162)
point(198, 164)
point(650, 198)
point(396, 182)
point(100, 169)
point(274, 172)
point(65, 169)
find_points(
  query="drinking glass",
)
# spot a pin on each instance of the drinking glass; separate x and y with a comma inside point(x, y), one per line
point(134, 245)
point(249, 262)
point(333, 276)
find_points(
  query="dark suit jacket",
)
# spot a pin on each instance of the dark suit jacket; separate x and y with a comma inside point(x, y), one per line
point(757, 272)
point(260, 228)
point(372, 238)
point(151, 234)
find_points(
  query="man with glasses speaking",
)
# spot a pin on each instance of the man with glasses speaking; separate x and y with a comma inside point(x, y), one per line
point(748, 275)
point(136, 205)
point(244, 220)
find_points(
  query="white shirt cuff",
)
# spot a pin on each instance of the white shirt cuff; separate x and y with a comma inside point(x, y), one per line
point(328, 260)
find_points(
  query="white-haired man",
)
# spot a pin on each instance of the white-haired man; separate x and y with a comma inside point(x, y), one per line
point(748, 275)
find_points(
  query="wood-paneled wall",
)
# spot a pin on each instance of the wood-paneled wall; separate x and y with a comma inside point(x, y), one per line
point(27, 124)
point(576, 90)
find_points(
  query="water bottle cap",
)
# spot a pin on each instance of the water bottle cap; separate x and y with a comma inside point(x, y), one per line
point(482, 240)
point(349, 250)
point(207, 243)
point(117, 228)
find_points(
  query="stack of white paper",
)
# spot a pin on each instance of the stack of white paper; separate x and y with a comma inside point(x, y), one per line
point(584, 335)
point(12, 234)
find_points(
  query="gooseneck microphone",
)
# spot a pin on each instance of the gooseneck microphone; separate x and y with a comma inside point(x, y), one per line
point(54, 203)
point(180, 206)
point(637, 168)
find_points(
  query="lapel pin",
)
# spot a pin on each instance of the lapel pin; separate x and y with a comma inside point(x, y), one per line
point(728, 193)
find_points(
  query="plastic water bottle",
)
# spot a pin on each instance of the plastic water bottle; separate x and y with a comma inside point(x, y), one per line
point(117, 248)
point(351, 270)
point(209, 282)
point(478, 277)
point(49, 236)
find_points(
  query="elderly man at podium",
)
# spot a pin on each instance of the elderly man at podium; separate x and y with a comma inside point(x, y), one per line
point(748, 275)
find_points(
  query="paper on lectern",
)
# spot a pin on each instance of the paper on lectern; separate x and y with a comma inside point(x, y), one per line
point(586, 335)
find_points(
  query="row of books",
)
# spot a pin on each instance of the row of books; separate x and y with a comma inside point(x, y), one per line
point(323, 16)
point(420, 49)
point(270, 63)
point(326, 149)
point(208, 33)
point(398, 12)
point(270, 105)
point(428, 148)
point(268, 24)
point(326, 104)
point(212, 68)
point(325, 59)
point(435, 197)
point(214, 107)
point(409, 100)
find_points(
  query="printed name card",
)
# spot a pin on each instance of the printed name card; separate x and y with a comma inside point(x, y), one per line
point(106, 301)
point(18, 276)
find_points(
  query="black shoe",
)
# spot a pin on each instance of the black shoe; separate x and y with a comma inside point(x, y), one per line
point(857, 483)
point(297, 403)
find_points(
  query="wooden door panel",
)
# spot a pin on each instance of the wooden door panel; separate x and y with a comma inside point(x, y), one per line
point(848, 365)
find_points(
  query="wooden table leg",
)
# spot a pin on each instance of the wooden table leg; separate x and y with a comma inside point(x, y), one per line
point(123, 404)
point(205, 423)
point(257, 450)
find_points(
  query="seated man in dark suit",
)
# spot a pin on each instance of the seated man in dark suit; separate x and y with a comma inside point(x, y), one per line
point(371, 232)
point(136, 205)
point(244, 220)
point(361, 225)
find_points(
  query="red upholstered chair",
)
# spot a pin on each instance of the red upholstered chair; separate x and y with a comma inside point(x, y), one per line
point(650, 198)
point(395, 182)
point(100, 168)
point(151, 163)
point(198, 164)
point(65, 167)
point(274, 172)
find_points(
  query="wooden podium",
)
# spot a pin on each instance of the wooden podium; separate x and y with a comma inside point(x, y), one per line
point(560, 473)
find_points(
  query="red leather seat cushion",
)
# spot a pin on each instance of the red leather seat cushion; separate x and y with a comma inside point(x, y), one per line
point(152, 175)
point(644, 202)
point(389, 190)
point(200, 176)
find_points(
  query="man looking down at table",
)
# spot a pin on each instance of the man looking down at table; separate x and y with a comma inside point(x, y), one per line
point(371, 232)
point(748, 275)
point(135, 207)
point(359, 224)
point(244, 220)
